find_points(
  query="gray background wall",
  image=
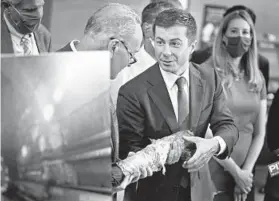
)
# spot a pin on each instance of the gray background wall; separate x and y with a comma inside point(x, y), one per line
point(68, 17)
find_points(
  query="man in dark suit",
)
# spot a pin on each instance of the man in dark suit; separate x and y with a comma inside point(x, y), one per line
point(272, 135)
point(201, 56)
point(22, 32)
point(170, 96)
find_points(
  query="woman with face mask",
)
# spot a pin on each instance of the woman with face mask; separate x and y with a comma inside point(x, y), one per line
point(235, 59)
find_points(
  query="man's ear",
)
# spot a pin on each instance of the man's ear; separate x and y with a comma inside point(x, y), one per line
point(113, 46)
point(146, 26)
point(193, 46)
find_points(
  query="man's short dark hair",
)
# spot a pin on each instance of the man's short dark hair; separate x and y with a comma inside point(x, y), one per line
point(241, 7)
point(173, 17)
point(151, 11)
point(177, 3)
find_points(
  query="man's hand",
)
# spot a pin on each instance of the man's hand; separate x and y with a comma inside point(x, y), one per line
point(126, 181)
point(206, 148)
point(174, 153)
point(244, 180)
point(239, 195)
point(142, 173)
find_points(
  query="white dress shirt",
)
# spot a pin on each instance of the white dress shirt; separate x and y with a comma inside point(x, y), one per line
point(172, 88)
point(16, 39)
point(170, 79)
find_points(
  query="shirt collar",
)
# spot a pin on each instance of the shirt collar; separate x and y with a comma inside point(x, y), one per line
point(73, 46)
point(171, 78)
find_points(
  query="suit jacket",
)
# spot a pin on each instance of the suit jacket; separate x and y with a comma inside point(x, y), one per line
point(272, 136)
point(272, 124)
point(201, 56)
point(144, 111)
point(41, 35)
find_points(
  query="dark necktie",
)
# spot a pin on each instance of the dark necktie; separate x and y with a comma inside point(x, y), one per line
point(181, 100)
point(25, 42)
point(182, 114)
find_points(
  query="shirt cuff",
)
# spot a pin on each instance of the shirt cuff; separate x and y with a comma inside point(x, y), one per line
point(222, 144)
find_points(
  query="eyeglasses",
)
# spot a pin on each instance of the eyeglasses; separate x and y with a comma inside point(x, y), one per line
point(132, 58)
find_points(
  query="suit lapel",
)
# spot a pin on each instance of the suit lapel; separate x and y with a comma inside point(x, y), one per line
point(6, 41)
point(197, 87)
point(40, 45)
point(160, 96)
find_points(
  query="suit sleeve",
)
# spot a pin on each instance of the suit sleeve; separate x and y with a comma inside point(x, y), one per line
point(131, 123)
point(221, 122)
point(272, 134)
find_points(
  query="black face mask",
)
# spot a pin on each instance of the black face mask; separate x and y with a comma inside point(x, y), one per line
point(24, 22)
point(237, 46)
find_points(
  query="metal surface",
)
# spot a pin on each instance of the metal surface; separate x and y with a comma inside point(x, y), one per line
point(56, 119)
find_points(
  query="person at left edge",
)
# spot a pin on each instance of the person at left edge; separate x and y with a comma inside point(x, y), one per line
point(22, 32)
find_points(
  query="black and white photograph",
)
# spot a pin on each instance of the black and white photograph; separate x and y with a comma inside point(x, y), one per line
point(151, 100)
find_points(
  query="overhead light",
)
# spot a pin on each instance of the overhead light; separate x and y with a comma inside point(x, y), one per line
point(57, 95)
point(42, 143)
point(48, 112)
point(24, 151)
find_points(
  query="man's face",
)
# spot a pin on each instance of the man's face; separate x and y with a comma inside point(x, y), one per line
point(172, 48)
point(126, 49)
point(26, 16)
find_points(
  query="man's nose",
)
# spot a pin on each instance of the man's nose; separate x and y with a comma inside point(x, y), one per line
point(167, 50)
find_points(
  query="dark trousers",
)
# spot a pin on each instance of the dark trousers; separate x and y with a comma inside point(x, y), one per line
point(184, 194)
point(270, 198)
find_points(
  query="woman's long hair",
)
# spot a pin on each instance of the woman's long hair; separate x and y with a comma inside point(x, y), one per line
point(223, 62)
